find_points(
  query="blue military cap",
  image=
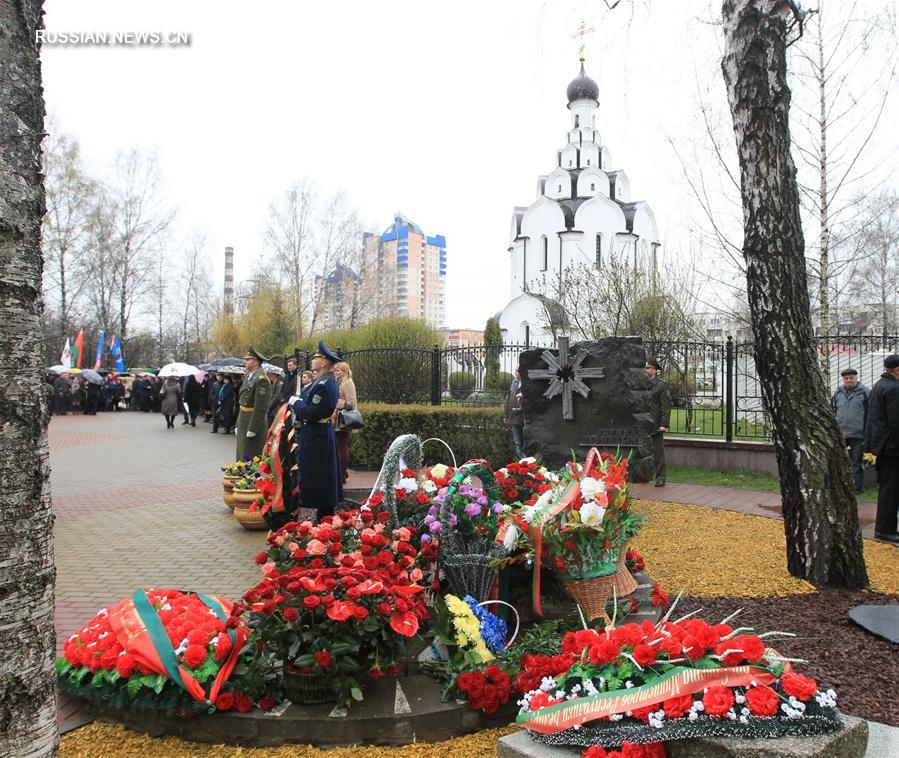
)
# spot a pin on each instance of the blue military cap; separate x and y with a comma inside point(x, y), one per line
point(325, 352)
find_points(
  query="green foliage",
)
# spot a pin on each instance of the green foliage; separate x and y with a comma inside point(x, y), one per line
point(461, 384)
point(470, 432)
point(493, 340)
point(385, 332)
point(501, 383)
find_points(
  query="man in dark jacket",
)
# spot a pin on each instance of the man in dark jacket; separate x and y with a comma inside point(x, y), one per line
point(660, 412)
point(289, 385)
point(514, 415)
point(850, 403)
point(882, 440)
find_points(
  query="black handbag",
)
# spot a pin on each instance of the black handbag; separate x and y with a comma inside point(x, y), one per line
point(347, 420)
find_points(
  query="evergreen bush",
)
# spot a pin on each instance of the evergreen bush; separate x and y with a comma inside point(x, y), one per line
point(470, 432)
point(461, 384)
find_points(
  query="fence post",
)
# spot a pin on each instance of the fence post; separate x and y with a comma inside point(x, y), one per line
point(435, 376)
point(729, 389)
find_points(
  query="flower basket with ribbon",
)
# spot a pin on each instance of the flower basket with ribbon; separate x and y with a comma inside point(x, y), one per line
point(582, 527)
point(469, 520)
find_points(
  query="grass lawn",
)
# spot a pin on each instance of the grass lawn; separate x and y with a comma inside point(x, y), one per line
point(747, 480)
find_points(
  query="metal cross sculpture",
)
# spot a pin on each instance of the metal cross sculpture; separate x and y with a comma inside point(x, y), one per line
point(565, 376)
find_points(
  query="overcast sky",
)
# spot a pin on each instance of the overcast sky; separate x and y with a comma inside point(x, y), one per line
point(446, 112)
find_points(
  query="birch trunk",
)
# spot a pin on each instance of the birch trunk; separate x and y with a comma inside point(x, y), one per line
point(27, 639)
point(824, 542)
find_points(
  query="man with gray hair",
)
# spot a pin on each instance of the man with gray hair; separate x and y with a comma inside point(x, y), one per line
point(882, 441)
point(850, 403)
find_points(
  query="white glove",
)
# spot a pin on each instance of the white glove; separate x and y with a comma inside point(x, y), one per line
point(293, 399)
point(251, 434)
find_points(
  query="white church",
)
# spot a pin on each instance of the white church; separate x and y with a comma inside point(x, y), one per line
point(583, 213)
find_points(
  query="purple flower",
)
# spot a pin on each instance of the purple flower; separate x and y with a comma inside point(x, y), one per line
point(473, 509)
point(429, 518)
point(482, 500)
point(453, 519)
point(497, 507)
point(425, 539)
point(435, 527)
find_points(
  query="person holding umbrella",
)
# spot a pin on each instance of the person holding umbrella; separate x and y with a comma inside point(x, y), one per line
point(255, 394)
point(171, 400)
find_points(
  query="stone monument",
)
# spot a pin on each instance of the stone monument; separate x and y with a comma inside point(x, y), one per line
point(590, 394)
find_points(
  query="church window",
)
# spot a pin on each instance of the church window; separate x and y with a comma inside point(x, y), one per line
point(592, 187)
point(569, 164)
point(588, 161)
point(545, 254)
point(577, 121)
point(598, 251)
point(559, 189)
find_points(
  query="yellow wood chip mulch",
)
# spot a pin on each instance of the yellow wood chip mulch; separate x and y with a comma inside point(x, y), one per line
point(100, 740)
point(705, 552)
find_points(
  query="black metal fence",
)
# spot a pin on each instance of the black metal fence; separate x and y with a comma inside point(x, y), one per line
point(714, 385)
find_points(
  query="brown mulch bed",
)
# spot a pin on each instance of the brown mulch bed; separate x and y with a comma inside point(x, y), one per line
point(861, 667)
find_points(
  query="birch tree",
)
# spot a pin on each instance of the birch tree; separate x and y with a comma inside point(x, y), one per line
point(824, 542)
point(842, 67)
point(69, 193)
point(27, 642)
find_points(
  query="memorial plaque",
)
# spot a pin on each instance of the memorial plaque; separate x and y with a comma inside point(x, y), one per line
point(590, 394)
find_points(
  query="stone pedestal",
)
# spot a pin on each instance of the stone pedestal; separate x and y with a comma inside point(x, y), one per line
point(850, 742)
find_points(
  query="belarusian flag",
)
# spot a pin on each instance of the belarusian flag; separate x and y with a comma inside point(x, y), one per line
point(66, 357)
point(78, 350)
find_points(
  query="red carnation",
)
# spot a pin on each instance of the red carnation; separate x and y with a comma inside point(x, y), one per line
point(762, 701)
point(125, 665)
point(323, 659)
point(290, 614)
point(243, 704)
point(261, 558)
point(312, 601)
point(644, 655)
point(798, 686)
point(360, 613)
point(194, 656)
point(678, 707)
point(604, 652)
point(268, 702)
point(718, 700)
point(225, 701)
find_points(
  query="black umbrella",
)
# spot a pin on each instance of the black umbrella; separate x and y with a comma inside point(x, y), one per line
point(219, 364)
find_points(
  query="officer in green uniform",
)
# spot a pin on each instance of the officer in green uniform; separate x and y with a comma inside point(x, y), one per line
point(254, 398)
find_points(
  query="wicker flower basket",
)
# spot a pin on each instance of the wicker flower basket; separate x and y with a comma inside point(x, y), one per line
point(591, 595)
point(308, 688)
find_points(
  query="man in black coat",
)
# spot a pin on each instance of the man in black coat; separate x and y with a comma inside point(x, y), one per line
point(882, 440)
point(660, 412)
point(289, 385)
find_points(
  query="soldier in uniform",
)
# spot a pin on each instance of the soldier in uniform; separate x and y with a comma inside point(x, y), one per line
point(320, 479)
point(252, 419)
point(660, 410)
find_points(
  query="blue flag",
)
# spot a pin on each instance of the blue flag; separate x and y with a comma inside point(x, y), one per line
point(98, 361)
point(116, 350)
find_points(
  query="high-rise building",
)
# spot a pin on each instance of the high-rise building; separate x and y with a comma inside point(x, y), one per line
point(338, 300)
point(229, 281)
point(404, 273)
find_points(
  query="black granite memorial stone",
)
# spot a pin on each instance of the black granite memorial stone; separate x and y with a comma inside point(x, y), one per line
point(590, 394)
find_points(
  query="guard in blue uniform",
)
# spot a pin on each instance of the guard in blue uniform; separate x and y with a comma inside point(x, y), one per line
point(320, 480)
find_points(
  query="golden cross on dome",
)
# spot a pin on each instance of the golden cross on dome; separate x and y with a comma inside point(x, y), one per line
point(582, 32)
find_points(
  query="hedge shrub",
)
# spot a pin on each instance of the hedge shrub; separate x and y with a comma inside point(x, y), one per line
point(461, 384)
point(470, 432)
